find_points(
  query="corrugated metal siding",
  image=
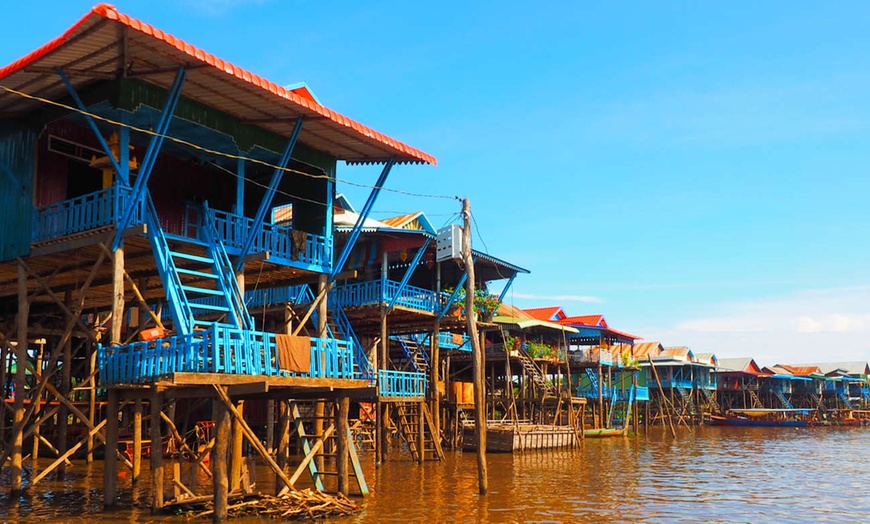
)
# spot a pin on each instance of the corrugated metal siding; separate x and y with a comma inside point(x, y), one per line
point(16, 193)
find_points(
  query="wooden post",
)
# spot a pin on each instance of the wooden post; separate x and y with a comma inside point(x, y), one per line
point(379, 433)
point(435, 374)
point(156, 451)
point(117, 296)
point(342, 453)
point(421, 437)
point(18, 405)
point(65, 389)
point(283, 441)
point(110, 459)
point(478, 357)
point(238, 439)
point(37, 402)
point(220, 483)
point(137, 439)
point(92, 398)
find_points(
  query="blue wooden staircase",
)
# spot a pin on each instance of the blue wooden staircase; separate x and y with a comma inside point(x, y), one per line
point(193, 268)
point(844, 398)
point(782, 399)
point(415, 353)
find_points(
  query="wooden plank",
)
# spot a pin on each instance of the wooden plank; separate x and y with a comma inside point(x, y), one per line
point(223, 379)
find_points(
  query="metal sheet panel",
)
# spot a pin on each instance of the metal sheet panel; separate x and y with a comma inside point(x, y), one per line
point(16, 193)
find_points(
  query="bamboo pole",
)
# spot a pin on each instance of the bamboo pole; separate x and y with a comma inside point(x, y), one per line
point(478, 357)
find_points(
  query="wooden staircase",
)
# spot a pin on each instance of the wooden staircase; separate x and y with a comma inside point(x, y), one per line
point(534, 372)
point(408, 421)
point(321, 450)
point(415, 353)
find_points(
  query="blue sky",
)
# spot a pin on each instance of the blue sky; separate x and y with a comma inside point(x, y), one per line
point(694, 171)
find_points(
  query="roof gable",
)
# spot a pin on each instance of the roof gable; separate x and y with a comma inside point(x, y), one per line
point(548, 314)
point(104, 39)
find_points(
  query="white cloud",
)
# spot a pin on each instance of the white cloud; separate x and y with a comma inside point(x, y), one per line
point(806, 326)
point(557, 298)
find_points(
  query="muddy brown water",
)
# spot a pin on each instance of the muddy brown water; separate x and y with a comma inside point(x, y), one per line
point(706, 474)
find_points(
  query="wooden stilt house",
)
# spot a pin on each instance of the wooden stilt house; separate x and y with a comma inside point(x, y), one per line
point(140, 177)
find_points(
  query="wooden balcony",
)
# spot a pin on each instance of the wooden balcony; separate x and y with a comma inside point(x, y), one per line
point(218, 349)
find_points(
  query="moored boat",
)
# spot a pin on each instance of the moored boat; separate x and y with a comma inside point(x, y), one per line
point(788, 418)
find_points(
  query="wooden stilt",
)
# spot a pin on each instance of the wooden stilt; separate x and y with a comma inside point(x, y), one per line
point(92, 398)
point(18, 406)
point(156, 451)
point(342, 453)
point(421, 435)
point(65, 389)
point(236, 456)
point(477, 355)
point(36, 399)
point(379, 433)
point(137, 439)
point(110, 461)
point(220, 482)
point(283, 441)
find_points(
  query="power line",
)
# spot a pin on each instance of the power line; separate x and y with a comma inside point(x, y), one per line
point(216, 152)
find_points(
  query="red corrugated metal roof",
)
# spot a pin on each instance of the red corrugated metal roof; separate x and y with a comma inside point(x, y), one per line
point(548, 314)
point(586, 320)
point(400, 221)
point(91, 50)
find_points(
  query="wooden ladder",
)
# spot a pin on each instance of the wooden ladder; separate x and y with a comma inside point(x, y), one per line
point(321, 450)
point(408, 421)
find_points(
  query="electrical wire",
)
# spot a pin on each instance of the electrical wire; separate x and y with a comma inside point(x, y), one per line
point(213, 151)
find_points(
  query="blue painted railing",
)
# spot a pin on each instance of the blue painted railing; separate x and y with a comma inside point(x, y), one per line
point(266, 297)
point(92, 211)
point(218, 349)
point(446, 340)
point(401, 383)
point(364, 367)
point(314, 252)
point(378, 292)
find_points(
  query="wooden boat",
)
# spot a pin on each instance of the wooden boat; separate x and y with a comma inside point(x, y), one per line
point(786, 418)
point(605, 432)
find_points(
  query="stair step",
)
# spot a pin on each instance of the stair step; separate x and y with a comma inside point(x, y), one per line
point(203, 291)
point(222, 309)
point(195, 273)
point(194, 258)
point(186, 240)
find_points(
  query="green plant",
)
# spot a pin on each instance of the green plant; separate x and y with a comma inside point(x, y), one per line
point(540, 350)
point(511, 343)
point(485, 303)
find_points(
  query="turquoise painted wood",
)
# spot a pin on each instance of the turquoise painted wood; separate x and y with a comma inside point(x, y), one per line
point(401, 383)
point(378, 292)
point(312, 253)
point(217, 349)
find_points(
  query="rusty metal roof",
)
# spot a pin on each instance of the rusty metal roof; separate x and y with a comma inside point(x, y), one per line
point(106, 45)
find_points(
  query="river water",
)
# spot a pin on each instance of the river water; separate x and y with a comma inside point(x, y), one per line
point(709, 474)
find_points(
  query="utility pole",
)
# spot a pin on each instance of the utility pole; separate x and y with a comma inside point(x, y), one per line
point(478, 358)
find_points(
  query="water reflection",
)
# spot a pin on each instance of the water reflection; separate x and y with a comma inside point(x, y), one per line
point(716, 474)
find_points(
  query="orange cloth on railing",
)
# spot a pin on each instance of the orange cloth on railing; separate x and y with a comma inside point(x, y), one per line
point(294, 353)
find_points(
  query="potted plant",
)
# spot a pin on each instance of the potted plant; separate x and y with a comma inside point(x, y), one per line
point(485, 303)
